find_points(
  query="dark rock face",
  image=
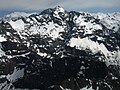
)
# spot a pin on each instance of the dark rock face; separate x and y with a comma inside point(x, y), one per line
point(61, 69)
point(43, 55)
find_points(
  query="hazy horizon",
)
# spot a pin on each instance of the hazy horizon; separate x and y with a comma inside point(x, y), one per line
point(92, 6)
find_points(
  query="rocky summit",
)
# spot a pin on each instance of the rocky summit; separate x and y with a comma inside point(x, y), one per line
point(60, 50)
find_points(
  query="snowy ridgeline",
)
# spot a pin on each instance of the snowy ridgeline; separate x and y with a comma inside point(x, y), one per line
point(84, 21)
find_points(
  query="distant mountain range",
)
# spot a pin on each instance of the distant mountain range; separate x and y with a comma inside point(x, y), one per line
point(60, 50)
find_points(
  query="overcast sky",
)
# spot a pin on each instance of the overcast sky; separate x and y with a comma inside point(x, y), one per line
point(79, 5)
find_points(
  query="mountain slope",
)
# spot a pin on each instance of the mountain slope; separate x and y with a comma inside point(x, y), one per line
point(56, 48)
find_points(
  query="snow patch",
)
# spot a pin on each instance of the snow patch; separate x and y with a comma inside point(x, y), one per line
point(18, 73)
point(48, 29)
point(112, 58)
point(17, 25)
point(2, 38)
point(86, 88)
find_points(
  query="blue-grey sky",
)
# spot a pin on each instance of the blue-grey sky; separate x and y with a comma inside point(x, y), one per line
point(7, 6)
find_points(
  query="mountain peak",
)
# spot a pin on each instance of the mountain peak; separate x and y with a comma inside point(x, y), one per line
point(59, 12)
point(59, 9)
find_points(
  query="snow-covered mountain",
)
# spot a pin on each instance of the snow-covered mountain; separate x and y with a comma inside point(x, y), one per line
point(60, 50)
